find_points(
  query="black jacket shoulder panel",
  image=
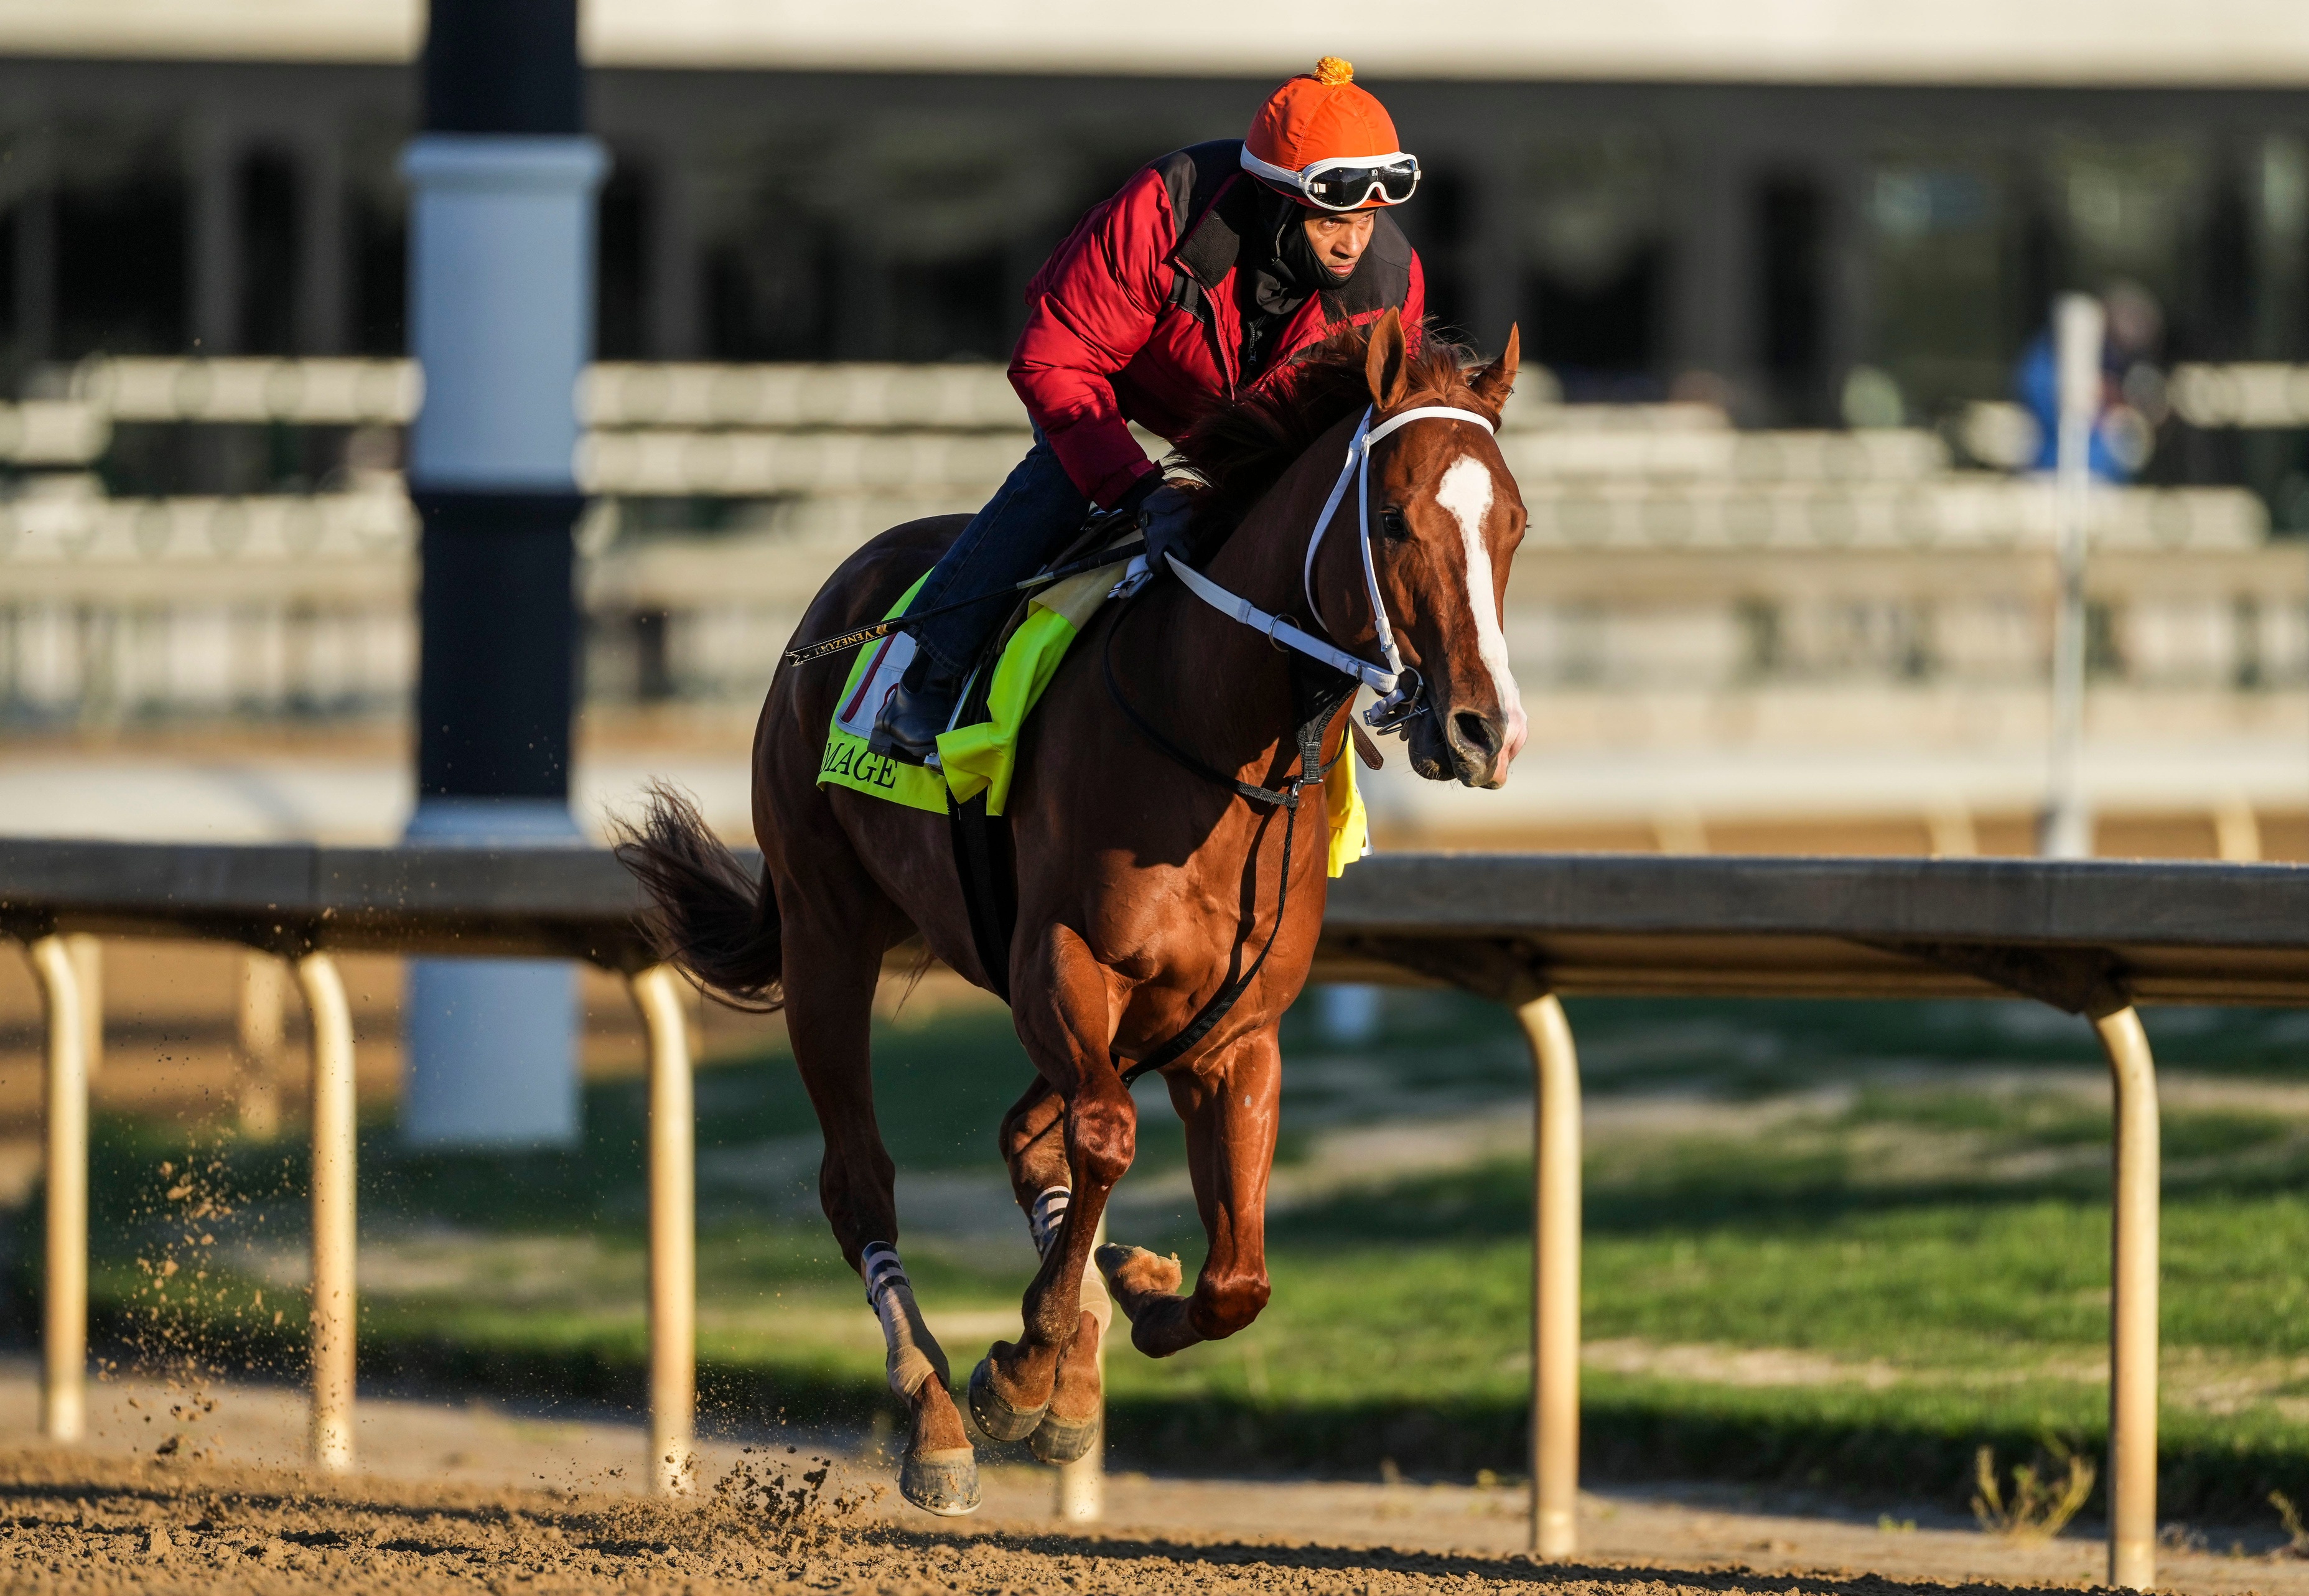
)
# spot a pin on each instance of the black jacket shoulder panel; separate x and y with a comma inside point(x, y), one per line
point(1195, 175)
point(1206, 193)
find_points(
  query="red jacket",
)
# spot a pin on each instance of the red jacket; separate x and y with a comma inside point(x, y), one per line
point(1134, 318)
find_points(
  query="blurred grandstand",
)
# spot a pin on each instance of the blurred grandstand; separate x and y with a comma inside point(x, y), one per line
point(1785, 585)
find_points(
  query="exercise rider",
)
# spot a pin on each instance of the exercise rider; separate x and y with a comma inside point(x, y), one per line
point(1201, 277)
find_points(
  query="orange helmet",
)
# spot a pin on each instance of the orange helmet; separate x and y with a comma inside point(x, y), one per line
point(1328, 144)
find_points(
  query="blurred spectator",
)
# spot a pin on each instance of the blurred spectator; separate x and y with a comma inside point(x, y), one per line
point(2122, 437)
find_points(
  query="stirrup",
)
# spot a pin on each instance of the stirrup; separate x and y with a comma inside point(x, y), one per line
point(889, 740)
point(912, 716)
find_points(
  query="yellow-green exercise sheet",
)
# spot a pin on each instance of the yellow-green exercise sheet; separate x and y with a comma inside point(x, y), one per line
point(983, 758)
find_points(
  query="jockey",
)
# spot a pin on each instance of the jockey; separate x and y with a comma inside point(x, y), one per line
point(1199, 279)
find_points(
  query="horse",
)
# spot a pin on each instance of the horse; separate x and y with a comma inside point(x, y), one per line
point(1146, 866)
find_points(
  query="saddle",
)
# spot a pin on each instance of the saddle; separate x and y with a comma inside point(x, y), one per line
point(977, 755)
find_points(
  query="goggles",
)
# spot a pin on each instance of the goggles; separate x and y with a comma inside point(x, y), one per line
point(1343, 182)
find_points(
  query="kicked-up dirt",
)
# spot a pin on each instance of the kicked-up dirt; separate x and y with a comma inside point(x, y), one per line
point(777, 1523)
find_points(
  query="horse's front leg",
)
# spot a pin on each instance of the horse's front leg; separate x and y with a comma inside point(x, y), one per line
point(1033, 1139)
point(1231, 1111)
point(1065, 1009)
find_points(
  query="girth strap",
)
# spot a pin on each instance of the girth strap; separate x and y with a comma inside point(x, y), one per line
point(985, 861)
point(986, 865)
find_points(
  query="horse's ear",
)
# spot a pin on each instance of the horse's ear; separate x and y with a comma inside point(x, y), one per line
point(1387, 364)
point(1495, 381)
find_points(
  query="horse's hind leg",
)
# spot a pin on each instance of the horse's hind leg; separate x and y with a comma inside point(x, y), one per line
point(831, 966)
point(1033, 1146)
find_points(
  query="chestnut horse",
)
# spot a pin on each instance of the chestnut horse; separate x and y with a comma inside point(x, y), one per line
point(1143, 885)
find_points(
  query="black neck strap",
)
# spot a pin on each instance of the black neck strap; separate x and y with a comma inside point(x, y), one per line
point(1317, 693)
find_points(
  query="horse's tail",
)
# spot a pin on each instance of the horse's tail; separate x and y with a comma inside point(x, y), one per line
point(705, 916)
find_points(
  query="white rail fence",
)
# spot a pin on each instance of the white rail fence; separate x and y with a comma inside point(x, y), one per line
point(2089, 938)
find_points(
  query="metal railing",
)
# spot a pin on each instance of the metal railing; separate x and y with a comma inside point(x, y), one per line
point(305, 904)
point(1524, 930)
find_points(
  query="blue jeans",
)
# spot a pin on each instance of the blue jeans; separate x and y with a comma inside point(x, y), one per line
point(1031, 517)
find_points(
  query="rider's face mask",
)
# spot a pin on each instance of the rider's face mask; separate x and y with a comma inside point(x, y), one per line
point(1344, 182)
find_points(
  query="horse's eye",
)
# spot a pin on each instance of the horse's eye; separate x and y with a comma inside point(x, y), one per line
point(1390, 523)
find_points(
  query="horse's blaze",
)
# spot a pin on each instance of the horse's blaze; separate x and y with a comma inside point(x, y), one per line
point(1467, 495)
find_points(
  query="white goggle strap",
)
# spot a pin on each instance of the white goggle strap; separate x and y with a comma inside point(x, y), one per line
point(1330, 163)
point(1314, 169)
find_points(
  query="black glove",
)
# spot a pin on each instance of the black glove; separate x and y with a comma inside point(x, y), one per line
point(1167, 518)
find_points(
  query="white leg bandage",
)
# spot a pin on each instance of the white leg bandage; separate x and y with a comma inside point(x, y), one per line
point(914, 1354)
point(1042, 1221)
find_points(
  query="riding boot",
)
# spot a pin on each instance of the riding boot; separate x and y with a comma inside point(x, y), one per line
point(917, 710)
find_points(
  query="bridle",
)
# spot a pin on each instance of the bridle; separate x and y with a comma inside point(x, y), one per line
point(1399, 702)
point(1397, 685)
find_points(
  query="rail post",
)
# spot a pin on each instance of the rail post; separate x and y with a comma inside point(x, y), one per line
point(88, 971)
point(657, 992)
point(256, 1065)
point(334, 1153)
point(64, 1305)
point(1555, 1279)
point(1082, 1484)
point(2132, 1304)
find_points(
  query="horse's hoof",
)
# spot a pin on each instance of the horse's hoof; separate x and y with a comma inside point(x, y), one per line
point(1136, 1276)
point(1058, 1440)
point(997, 1420)
point(944, 1482)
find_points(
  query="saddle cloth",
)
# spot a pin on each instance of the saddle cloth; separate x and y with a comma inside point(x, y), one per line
point(983, 758)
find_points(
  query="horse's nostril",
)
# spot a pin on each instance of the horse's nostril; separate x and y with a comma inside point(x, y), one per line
point(1475, 731)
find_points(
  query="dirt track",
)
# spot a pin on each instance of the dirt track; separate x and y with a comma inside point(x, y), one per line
point(78, 1525)
point(74, 1522)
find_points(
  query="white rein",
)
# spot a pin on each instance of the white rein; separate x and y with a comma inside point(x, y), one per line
point(1388, 681)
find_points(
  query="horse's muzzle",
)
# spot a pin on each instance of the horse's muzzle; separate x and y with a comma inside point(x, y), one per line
point(1471, 746)
point(1482, 743)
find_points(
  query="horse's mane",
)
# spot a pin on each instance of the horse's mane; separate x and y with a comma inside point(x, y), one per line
point(1240, 447)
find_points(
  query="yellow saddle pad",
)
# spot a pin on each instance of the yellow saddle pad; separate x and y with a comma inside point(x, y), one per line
point(983, 758)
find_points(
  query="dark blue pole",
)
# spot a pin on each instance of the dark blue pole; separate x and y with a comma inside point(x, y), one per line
point(501, 312)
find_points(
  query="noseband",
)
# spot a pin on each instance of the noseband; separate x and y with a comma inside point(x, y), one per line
point(1396, 684)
